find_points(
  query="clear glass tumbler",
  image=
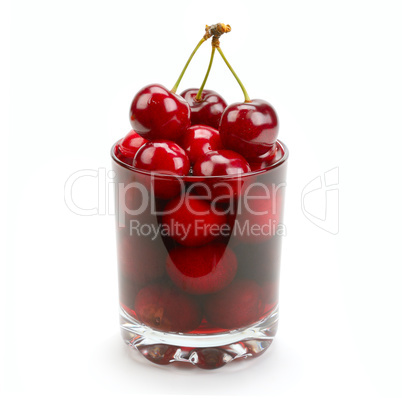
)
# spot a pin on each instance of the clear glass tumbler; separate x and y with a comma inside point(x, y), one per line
point(198, 262)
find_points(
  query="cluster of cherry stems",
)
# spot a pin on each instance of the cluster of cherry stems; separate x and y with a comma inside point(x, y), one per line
point(196, 132)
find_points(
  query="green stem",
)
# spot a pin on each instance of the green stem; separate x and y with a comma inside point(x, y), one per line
point(174, 89)
point(246, 97)
point(198, 97)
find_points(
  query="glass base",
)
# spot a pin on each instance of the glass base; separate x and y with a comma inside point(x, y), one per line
point(207, 351)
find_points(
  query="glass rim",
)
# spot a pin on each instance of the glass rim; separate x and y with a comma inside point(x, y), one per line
point(203, 178)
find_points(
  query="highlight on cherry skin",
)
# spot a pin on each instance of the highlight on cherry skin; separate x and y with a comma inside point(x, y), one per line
point(221, 163)
point(200, 139)
point(163, 157)
point(250, 128)
point(157, 113)
point(128, 146)
point(208, 110)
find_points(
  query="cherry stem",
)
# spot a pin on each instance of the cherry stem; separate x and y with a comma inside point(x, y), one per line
point(174, 89)
point(198, 97)
point(246, 97)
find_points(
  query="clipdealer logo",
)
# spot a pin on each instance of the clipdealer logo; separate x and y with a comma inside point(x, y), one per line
point(319, 198)
point(257, 211)
point(320, 201)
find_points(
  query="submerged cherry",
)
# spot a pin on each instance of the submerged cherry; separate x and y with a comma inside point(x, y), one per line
point(207, 110)
point(221, 163)
point(166, 308)
point(202, 270)
point(239, 304)
point(157, 113)
point(261, 213)
point(193, 222)
point(164, 157)
point(198, 140)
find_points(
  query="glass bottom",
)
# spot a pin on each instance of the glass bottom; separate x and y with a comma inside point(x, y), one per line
point(206, 351)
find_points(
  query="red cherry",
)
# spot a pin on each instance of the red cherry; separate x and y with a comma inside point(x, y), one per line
point(199, 140)
point(193, 222)
point(261, 163)
point(260, 213)
point(202, 270)
point(141, 260)
point(206, 111)
point(157, 113)
point(236, 306)
point(268, 159)
point(163, 157)
point(128, 146)
point(220, 163)
point(265, 160)
point(135, 205)
point(249, 128)
point(166, 308)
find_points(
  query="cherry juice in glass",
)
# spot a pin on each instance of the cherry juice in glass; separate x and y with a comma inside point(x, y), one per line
point(198, 262)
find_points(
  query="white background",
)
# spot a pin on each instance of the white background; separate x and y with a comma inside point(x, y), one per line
point(332, 70)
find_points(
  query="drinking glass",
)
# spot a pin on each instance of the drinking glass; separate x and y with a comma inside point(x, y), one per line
point(199, 262)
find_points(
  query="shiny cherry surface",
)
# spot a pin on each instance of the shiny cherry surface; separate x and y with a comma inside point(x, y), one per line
point(128, 146)
point(221, 163)
point(162, 157)
point(198, 140)
point(156, 113)
point(206, 111)
point(249, 128)
point(269, 158)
